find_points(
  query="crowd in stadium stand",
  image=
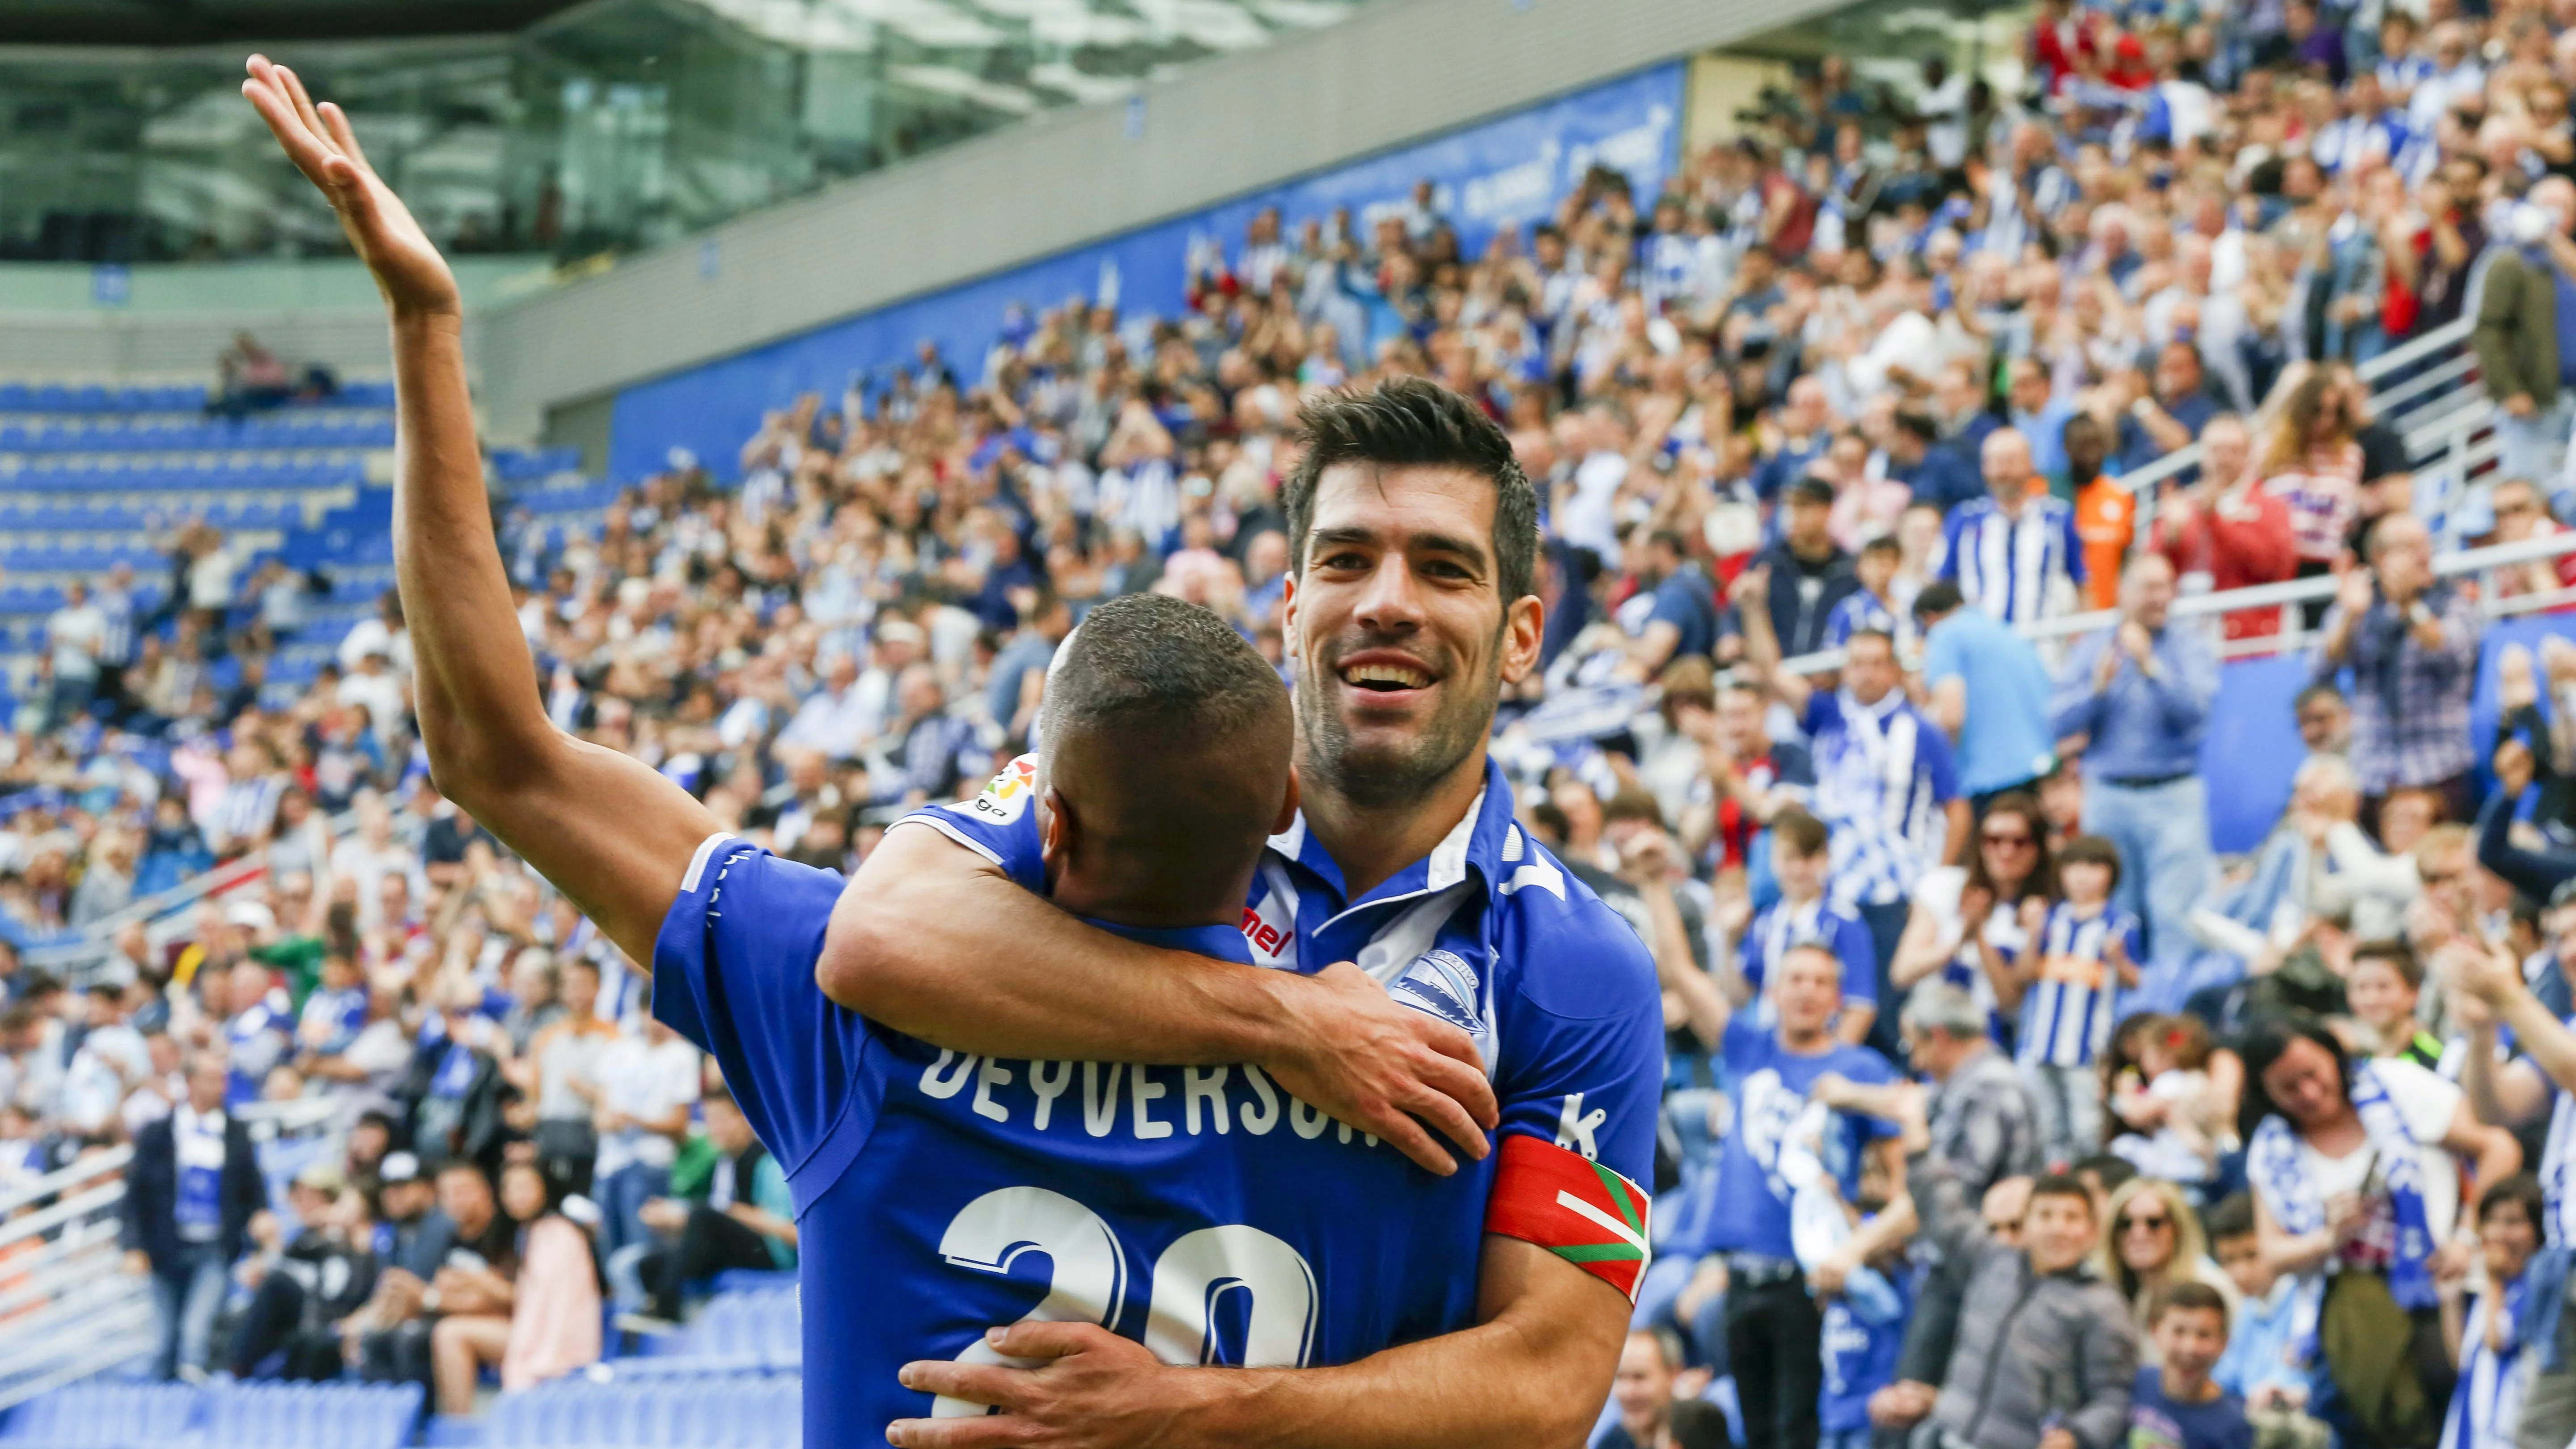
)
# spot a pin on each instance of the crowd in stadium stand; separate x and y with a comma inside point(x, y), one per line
point(2000, 1110)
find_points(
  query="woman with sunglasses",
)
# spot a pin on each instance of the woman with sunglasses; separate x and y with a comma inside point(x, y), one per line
point(2008, 886)
point(2155, 1240)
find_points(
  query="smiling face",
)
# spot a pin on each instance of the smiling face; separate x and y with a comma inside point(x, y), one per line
point(2305, 1083)
point(2057, 1230)
point(1402, 637)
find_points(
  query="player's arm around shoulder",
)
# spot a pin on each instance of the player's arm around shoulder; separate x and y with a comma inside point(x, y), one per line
point(943, 935)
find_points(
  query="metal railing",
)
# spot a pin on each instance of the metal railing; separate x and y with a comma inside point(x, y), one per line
point(72, 957)
point(2493, 602)
point(67, 1307)
point(2438, 422)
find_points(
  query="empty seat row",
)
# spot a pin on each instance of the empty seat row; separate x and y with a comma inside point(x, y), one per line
point(58, 397)
point(104, 1415)
point(20, 560)
point(309, 1416)
point(513, 466)
point(200, 437)
point(724, 1413)
point(97, 397)
point(50, 472)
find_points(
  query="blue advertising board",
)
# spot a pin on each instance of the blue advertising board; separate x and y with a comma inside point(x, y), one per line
point(1504, 173)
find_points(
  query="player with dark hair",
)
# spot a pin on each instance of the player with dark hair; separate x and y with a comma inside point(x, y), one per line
point(1228, 1219)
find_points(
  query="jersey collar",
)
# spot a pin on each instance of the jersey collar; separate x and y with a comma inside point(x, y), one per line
point(1485, 842)
point(1225, 943)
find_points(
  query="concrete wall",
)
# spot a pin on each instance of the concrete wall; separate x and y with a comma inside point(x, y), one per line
point(1396, 71)
point(65, 320)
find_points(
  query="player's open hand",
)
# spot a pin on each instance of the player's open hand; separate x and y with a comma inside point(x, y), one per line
point(407, 268)
point(1364, 1059)
point(1088, 1389)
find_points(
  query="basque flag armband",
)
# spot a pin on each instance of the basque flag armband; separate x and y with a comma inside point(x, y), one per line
point(1575, 1208)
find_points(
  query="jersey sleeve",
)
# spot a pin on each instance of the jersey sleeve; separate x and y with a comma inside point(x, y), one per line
point(733, 971)
point(1580, 1077)
point(1941, 656)
point(999, 824)
point(1580, 1057)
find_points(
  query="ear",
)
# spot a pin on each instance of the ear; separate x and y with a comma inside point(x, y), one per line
point(1288, 642)
point(1056, 829)
point(1524, 628)
point(1287, 805)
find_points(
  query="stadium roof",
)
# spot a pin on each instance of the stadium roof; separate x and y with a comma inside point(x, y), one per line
point(204, 22)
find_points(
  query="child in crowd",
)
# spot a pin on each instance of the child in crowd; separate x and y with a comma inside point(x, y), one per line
point(2257, 1366)
point(2175, 1131)
point(2178, 1405)
point(2381, 988)
point(2087, 954)
point(2486, 1408)
point(1800, 848)
point(1875, 606)
point(1864, 1331)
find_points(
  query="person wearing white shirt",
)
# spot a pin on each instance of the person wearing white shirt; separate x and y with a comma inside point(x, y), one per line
point(1586, 502)
point(647, 1083)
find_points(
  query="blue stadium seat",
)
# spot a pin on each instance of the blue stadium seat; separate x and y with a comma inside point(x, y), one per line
point(103, 1415)
point(306, 1416)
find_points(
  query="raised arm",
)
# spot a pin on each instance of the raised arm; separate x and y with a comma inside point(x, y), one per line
point(612, 834)
point(935, 941)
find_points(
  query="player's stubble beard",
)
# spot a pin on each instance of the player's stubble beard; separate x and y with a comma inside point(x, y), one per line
point(1383, 777)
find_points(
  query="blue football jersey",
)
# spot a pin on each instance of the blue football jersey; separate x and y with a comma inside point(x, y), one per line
point(1200, 1210)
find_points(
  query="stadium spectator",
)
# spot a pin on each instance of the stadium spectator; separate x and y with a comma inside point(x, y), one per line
point(648, 1082)
point(2521, 343)
point(2014, 553)
point(534, 1318)
point(307, 1281)
point(2133, 703)
point(1773, 1327)
point(2228, 532)
point(1885, 781)
point(457, 1257)
point(731, 1209)
point(189, 1195)
point(1969, 925)
point(2410, 639)
point(2353, 1162)
point(1653, 1413)
point(1980, 1114)
point(1803, 576)
point(1989, 692)
point(2176, 1401)
point(2045, 1354)
point(2155, 1242)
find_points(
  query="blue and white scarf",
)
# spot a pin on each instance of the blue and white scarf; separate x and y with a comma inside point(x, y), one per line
point(2272, 1163)
point(2488, 1402)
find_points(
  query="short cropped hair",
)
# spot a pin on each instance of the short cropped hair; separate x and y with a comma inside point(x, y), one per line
point(2090, 850)
point(1149, 664)
point(2061, 1184)
point(1411, 421)
point(2233, 1217)
point(1939, 1006)
point(2399, 956)
point(2187, 1296)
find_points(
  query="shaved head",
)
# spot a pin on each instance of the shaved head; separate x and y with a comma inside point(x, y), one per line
point(1163, 756)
